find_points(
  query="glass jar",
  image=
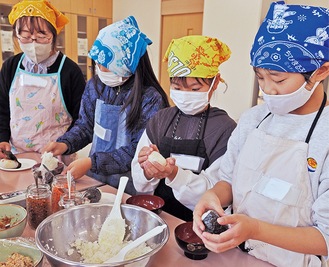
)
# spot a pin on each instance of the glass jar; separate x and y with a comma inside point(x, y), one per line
point(38, 204)
point(74, 199)
point(59, 188)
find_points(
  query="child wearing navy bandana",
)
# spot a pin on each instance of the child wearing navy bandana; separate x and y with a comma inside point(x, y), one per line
point(275, 173)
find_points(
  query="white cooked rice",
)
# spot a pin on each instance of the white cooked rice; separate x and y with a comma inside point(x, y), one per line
point(93, 252)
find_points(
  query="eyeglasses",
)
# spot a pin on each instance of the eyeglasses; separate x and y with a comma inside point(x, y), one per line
point(39, 40)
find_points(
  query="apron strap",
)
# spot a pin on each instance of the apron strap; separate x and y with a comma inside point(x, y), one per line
point(206, 115)
point(263, 119)
point(178, 114)
point(323, 104)
point(62, 63)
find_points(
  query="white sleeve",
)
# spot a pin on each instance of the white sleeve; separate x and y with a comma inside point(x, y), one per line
point(142, 185)
point(188, 187)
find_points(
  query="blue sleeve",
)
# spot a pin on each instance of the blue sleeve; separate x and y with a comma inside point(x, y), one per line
point(119, 160)
point(81, 133)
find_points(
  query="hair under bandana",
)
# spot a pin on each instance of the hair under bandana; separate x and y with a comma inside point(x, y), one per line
point(119, 47)
point(195, 56)
point(38, 8)
point(292, 38)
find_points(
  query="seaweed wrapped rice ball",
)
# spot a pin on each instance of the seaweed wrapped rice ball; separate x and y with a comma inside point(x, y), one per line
point(209, 219)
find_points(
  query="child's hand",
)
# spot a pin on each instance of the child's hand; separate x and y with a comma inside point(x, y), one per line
point(159, 171)
point(241, 229)
point(56, 148)
point(5, 146)
point(144, 152)
point(79, 167)
point(209, 201)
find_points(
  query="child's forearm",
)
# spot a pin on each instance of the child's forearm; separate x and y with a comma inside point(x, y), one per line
point(223, 190)
point(306, 240)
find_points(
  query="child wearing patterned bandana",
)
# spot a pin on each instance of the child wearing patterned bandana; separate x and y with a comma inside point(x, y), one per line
point(190, 136)
point(275, 173)
point(115, 107)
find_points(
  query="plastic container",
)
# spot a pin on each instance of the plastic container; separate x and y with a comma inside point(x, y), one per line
point(74, 199)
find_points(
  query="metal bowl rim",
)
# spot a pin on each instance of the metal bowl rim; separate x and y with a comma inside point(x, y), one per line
point(81, 264)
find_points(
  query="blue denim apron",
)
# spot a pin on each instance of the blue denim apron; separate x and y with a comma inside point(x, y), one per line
point(110, 133)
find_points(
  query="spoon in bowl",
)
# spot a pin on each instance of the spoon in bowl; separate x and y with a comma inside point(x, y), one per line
point(114, 227)
point(122, 253)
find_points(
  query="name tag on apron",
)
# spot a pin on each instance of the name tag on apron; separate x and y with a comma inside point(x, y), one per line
point(188, 162)
point(276, 189)
point(29, 80)
point(102, 133)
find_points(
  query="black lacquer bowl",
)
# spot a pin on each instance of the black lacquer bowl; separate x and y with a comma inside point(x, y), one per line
point(189, 242)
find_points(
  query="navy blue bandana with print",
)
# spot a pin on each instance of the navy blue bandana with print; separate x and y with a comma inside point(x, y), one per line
point(292, 38)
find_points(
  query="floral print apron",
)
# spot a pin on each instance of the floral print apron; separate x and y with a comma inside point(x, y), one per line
point(37, 110)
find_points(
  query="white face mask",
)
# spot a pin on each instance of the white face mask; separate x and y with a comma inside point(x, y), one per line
point(283, 104)
point(36, 52)
point(109, 78)
point(189, 102)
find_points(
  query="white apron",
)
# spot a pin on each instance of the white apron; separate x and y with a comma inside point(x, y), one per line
point(271, 183)
point(38, 113)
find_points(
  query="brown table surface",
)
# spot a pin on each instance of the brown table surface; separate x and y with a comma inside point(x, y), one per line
point(170, 255)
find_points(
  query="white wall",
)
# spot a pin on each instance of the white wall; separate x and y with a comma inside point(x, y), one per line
point(148, 16)
point(234, 22)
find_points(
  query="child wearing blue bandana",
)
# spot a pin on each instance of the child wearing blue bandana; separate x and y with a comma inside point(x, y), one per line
point(116, 105)
point(275, 173)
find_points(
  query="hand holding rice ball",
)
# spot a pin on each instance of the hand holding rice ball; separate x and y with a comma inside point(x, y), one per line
point(209, 219)
point(157, 157)
point(9, 164)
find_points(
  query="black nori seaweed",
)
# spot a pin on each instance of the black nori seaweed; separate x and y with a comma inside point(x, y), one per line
point(11, 156)
point(210, 221)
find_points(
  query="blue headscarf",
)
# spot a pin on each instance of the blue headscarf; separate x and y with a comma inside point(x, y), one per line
point(119, 47)
point(292, 38)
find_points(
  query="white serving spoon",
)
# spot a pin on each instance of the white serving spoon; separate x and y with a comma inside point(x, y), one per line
point(69, 179)
point(122, 253)
point(114, 226)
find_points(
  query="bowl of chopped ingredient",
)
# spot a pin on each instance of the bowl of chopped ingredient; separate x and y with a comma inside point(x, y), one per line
point(12, 220)
point(150, 202)
point(20, 252)
point(70, 237)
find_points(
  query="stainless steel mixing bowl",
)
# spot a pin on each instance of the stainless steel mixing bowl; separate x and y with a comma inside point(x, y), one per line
point(55, 234)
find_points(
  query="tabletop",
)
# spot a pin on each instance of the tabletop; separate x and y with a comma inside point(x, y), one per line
point(19, 180)
point(169, 255)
